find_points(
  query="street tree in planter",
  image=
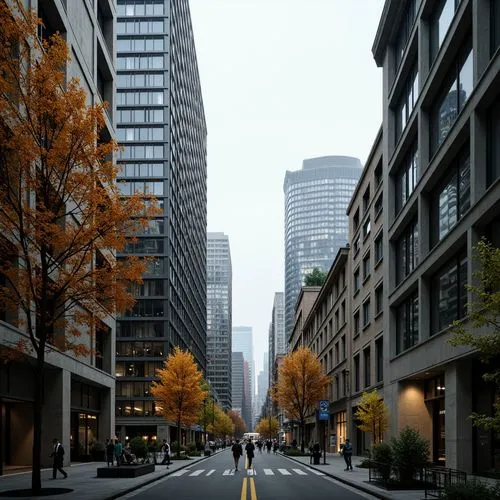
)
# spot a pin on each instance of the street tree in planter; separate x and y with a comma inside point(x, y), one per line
point(61, 214)
point(300, 386)
point(180, 390)
point(373, 415)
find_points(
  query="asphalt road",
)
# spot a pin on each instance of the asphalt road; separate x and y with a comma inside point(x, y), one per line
point(273, 477)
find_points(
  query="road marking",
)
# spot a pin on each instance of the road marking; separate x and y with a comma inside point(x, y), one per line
point(209, 473)
point(253, 493)
point(300, 472)
point(268, 472)
point(228, 472)
point(180, 472)
point(244, 489)
point(284, 472)
point(197, 472)
point(318, 473)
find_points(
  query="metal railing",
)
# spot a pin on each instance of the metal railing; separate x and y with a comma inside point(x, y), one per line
point(438, 478)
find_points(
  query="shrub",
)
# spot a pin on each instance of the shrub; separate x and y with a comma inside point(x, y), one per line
point(382, 454)
point(295, 452)
point(138, 447)
point(192, 448)
point(473, 490)
point(410, 452)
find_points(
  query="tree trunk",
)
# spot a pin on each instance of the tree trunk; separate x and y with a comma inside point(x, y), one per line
point(302, 434)
point(178, 439)
point(36, 480)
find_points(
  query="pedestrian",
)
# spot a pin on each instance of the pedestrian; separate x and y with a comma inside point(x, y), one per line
point(275, 446)
point(118, 452)
point(311, 445)
point(165, 447)
point(269, 445)
point(110, 451)
point(259, 445)
point(250, 448)
point(237, 450)
point(347, 452)
point(58, 455)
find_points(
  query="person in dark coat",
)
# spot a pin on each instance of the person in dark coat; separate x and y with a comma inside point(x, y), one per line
point(250, 449)
point(58, 456)
point(347, 452)
point(110, 451)
point(237, 451)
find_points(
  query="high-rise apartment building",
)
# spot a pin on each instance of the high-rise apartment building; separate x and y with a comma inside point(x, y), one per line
point(219, 321)
point(79, 392)
point(161, 126)
point(316, 226)
point(441, 172)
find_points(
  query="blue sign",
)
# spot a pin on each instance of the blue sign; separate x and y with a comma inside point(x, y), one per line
point(324, 410)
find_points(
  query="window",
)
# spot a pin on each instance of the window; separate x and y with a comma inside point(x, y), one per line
point(452, 198)
point(407, 176)
point(343, 351)
point(366, 313)
point(337, 321)
point(337, 358)
point(342, 310)
point(367, 366)
point(356, 219)
point(379, 249)
point(357, 282)
point(440, 23)
point(407, 324)
point(453, 99)
point(357, 245)
point(366, 228)
point(495, 25)
point(379, 204)
point(407, 101)
point(407, 251)
point(378, 174)
point(493, 144)
point(366, 266)
point(366, 199)
point(450, 293)
point(406, 25)
point(356, 323)
point(379, 298)
point(356, 373)
point(379, 359)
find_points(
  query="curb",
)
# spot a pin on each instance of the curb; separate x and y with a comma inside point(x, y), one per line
point(352, 484)
point(150, 481)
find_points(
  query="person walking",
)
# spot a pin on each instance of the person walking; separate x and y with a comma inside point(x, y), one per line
point(118, 452)
point(347, 452)
point(110, 451)
point(165, 447)
point(250, 449)
point(58, 456)
point(237, 451)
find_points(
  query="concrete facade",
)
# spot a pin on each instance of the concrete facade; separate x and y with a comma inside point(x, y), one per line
point(79, 392)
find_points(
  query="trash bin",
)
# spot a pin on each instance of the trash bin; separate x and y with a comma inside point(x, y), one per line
point(317, 457)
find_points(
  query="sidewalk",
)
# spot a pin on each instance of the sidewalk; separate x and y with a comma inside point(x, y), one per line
point(358, 478)
point(82, 479)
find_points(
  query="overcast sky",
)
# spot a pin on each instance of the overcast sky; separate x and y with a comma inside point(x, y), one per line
point(282, 80)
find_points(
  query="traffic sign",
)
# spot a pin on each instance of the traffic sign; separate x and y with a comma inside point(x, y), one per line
point(324, 410)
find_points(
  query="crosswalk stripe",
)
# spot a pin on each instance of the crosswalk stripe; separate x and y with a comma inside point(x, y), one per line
point(284, 472)
point(228, 472)
point(197, 472)
point(300, 472)
point(315, 472)
point(268, 472)
point(180, 472)
point(209, 473)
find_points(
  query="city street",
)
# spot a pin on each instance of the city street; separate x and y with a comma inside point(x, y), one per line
point(273, 477)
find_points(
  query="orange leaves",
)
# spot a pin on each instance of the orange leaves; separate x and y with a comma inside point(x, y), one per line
point(300, 383)
point(179, 390)
point(238, 423)
point(268, 426)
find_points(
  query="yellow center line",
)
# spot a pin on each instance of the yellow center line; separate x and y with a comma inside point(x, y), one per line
point(244, 489)
point(253, 493)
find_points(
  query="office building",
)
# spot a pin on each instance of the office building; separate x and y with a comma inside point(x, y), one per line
point(78, 392)
point(161, 126)
point(219, 321)
point(441, 170)
point(237, 382)
point(316, 198)
point(243, 342)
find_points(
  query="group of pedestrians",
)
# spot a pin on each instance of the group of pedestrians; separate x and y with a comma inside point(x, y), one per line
point(237, 451)
point(269, 444)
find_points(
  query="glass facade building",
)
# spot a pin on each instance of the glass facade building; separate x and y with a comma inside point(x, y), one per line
point(219, 319)
point(316, 225)
point(161, 126)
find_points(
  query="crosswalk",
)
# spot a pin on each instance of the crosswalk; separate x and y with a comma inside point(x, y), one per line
point(251, 472)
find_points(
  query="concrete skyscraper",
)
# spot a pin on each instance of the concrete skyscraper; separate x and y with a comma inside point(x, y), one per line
point(316, 224)
point(219, 326)
point(161, 126)
point(243, 342)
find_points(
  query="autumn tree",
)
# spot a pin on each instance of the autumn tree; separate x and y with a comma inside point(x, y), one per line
point(315, 278)
point(268, 426)
point(239, 426)
point(373, 415)
point(222, 424)
point(61, 216)
point(180, 390)
point(300, 386)
point(481, 331)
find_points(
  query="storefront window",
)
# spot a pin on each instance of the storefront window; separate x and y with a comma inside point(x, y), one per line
point(340, 429)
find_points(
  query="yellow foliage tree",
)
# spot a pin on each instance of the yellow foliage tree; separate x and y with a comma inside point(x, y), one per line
point(62, 218)
point(239, 427)
point(300, 386)
point(268, 427)
point(373, 415)
point(179, 391)
point(223, 425)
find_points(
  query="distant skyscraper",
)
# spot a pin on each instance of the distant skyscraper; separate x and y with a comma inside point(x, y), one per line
point(237, 382)
point(219, 327)
point(316, 224)
point(262, 384)
point(243, 342)
point(161, 127)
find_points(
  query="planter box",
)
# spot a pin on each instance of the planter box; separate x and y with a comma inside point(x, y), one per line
point(126, 471)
